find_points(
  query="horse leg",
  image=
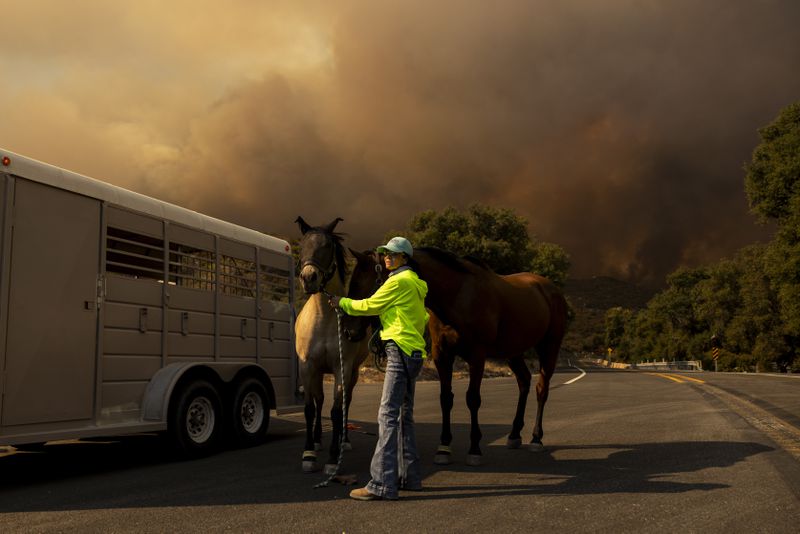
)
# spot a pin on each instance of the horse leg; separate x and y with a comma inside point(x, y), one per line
point(312, 396)
point(548, 357)
point(444, 366)
point(523, 374)
point(349, 388)
point(309, 454)
point(337, 420)
point(476, 366)
point(318, 420)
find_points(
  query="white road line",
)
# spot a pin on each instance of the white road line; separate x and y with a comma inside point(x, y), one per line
point(583, 373)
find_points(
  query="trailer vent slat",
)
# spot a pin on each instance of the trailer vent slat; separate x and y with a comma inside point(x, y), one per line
point(134, 255)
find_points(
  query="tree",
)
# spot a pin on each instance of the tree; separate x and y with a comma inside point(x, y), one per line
point(550, 261)
point(783, 269)
point(617, 320)
point(682, 332)
point(773, 189)
point(773, 174)
point(497, 236)
point(669, 327)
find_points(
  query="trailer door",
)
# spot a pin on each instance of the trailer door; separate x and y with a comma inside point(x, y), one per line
point(52, 316)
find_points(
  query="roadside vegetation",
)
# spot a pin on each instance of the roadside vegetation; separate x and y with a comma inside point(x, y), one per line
point(497, 236)
point(748, 306)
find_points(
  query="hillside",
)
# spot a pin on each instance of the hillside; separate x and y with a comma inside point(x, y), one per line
point(603, 292)
point(590, 298)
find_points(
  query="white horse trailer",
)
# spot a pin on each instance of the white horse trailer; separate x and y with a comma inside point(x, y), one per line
point(120, 313)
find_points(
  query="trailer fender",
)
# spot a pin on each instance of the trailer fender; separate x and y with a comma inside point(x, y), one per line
point(155, 404)
point(159, 390)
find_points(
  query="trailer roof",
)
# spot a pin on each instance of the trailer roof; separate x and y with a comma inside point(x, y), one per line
point(51, 175)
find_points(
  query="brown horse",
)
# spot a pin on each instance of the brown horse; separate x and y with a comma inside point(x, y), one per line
point(477, 314)
point(326, 265)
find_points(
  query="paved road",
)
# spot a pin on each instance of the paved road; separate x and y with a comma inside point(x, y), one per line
point(627, 452)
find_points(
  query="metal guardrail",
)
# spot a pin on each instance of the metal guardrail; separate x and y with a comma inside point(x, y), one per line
point(687, 365)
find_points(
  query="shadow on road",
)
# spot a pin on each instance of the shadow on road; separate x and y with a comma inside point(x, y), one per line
point(134, 472)
point(639, 468)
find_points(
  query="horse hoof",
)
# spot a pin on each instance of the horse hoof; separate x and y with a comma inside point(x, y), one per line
point(514, 443)
point(441, 459)
point(318, 446)
point(309, 466)
point(346, 446)
point(474, 460)
point(442, 456)
point(330, 469)
point(536, 446)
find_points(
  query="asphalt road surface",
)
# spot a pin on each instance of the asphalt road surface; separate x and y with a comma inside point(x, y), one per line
point(627, 451)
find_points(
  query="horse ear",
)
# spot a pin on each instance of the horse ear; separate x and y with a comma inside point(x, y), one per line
point(332, 225)
point(304, 226)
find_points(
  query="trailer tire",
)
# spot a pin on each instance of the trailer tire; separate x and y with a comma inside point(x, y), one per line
point(249, 415)
point(195, 422)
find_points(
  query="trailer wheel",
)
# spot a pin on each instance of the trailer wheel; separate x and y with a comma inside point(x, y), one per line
point(250, 412)
point(195, 422)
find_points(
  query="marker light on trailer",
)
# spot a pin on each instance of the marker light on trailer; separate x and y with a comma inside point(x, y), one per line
point(6, 161)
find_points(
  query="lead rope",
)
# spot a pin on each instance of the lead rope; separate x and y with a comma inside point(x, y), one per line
point(325, 483)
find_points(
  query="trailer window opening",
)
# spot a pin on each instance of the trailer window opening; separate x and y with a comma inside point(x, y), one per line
point(238, 277)
point(275, 284)
point(140, 256)
point(191, 267)
point(134, 255)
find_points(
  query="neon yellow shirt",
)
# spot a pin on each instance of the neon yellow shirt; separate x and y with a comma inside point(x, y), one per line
point(400, 305)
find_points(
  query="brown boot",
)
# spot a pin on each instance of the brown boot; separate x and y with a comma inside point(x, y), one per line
point(363, 494)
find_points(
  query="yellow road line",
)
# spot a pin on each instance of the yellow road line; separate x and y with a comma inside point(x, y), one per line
point(670, 377)
point(693, 379)
point(678, 378)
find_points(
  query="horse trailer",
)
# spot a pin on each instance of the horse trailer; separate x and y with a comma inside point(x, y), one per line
point(120, 314)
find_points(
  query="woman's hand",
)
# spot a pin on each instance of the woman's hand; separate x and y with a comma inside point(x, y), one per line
point(334, 302)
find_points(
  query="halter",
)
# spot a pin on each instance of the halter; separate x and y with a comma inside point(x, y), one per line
point(328, 273)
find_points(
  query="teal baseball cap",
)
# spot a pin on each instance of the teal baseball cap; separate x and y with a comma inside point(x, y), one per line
point(398, 244)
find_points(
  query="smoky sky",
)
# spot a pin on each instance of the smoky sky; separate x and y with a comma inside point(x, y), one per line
point(617, 129)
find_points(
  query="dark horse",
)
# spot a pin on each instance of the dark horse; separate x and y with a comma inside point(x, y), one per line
point(326, 265)
point(477, 314)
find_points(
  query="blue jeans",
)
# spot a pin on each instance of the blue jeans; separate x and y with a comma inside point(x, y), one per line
point(395, 454)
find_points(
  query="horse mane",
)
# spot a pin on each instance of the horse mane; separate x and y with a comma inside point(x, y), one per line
point(457, 263)
point(478, 262)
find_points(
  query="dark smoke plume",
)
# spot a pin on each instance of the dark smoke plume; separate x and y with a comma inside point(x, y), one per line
point(617, 128)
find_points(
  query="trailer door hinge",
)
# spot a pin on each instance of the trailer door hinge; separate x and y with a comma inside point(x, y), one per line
point(101, 289)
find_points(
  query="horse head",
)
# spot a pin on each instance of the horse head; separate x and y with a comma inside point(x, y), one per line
point(321, 255)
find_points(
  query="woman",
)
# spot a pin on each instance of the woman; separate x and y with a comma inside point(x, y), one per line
point(400, 305)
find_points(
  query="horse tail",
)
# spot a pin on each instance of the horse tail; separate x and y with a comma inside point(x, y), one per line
point(550, 345)
point(559, 315)
point(558, 308)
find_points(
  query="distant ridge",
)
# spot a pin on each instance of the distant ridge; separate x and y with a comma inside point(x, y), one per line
point(590, 298)
point(604, 292)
